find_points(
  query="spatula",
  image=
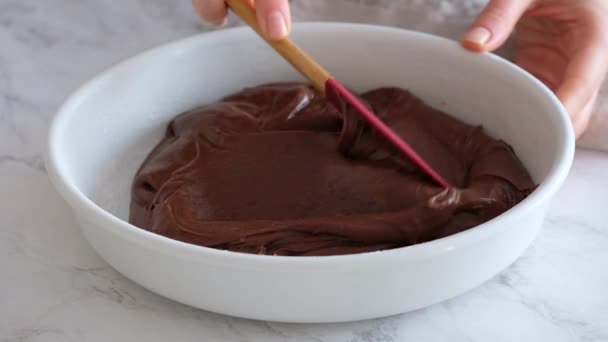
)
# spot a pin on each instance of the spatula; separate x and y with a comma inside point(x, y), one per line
point(334, 91)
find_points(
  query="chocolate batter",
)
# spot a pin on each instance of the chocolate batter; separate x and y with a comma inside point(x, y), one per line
point(276, 170)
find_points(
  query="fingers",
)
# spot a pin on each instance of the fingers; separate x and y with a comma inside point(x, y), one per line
point(582, 79)
point(273, 15)
point(580, 121)
point(494, 25)
point(274, 18)
point(212, 11)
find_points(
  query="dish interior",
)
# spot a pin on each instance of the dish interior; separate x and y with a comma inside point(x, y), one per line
point(107, 131)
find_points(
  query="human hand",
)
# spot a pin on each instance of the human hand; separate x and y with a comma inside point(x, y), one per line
point(564, 43)
point(273, 15)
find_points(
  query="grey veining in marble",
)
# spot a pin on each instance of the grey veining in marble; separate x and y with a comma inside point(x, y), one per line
point(53, 287)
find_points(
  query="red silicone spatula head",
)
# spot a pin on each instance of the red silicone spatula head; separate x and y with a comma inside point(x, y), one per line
point(341, 97)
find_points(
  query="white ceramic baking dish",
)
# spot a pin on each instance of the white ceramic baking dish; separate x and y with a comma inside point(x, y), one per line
point(103, 132)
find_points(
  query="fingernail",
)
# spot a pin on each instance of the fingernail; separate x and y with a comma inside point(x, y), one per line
point(478, 36)
point(219, 23)
point(276, 26)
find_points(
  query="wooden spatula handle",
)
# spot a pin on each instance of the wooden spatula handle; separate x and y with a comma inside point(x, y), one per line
point(315, 73)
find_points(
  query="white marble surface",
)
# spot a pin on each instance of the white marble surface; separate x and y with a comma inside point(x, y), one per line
point(53, 287)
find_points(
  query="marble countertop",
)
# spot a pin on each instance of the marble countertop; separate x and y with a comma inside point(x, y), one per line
point(53, 287)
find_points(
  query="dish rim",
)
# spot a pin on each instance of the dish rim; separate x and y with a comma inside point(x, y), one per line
point(92, 211)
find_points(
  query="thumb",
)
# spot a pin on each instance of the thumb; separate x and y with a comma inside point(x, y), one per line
point(494, 25)
point(274, 18)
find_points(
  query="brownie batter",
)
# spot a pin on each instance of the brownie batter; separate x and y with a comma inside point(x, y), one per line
point(275, 169)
